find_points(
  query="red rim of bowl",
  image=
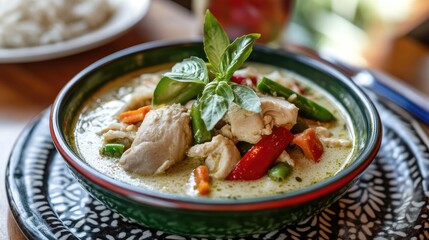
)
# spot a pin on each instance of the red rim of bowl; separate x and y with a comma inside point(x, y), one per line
point(158, 199)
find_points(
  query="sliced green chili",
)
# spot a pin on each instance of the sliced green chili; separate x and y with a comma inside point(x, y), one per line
point(112, 150)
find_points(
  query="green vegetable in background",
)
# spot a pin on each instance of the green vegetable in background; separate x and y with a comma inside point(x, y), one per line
point(189, 79)
point(307, 108)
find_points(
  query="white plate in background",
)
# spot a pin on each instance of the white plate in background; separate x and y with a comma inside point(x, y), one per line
point(127, 14)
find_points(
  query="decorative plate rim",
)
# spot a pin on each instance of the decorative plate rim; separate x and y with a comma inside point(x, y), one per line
point(20, 213)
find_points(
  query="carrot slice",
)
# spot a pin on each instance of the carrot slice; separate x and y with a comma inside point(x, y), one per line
point(202, 179)
point(134, 116)
point(203, 188)
point(309, 143)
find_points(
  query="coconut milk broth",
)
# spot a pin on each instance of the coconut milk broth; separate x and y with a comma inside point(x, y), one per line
point(102, 108)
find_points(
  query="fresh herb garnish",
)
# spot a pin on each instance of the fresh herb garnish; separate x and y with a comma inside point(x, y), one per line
point(189, 79)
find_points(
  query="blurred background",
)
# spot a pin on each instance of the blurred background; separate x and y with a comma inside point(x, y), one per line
point(364, 33)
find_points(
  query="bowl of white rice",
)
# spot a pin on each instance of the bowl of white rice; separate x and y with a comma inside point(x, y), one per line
point(33, 30)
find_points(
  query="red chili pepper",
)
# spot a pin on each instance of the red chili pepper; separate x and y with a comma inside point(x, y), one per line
point(310, 144)
point(239, 79)
point(259, 158)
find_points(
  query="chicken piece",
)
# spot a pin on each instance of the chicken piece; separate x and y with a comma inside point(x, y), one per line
point(285, 157)
point(226, 132)
point(143, 93)
point(161, 141)
point(323, 132)
point(282, 112)
point(119, 133)
point(189, 104)
point(221, 155)
point(336, 142)
point(245, 125)
point(119, 126)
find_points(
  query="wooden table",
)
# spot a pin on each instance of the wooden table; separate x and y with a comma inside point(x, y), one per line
point(28, 88)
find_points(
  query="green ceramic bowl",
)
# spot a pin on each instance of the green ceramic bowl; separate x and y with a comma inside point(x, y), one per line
point(213, 217)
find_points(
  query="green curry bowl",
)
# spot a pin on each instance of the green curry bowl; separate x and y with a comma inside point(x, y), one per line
point(206, 216)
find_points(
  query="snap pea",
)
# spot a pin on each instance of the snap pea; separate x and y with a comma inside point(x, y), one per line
point(112, 150)
point(279, 171)
point(199, 129)
point(307, 107)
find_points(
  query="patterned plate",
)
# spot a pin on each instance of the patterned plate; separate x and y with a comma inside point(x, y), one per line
point(391, 200)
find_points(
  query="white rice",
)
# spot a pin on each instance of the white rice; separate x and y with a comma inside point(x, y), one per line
point(25, 23)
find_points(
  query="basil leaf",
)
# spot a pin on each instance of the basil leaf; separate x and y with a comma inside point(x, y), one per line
point(214, 102)
point(169, 91)
point(209, 89)
point(224, 90)
point(191, 69)
point(246, 98)
point(215, 40)
point(213, 108)
point(235, 55)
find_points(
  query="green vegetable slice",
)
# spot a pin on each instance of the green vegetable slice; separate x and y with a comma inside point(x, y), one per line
point(112, 150)
point(169, 91)
point(199, 129)
point(279, 171)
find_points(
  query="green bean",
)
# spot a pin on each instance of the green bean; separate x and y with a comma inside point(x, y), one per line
point(307, 107)
point(279, 171)
point(112, 150)
point(199, 129)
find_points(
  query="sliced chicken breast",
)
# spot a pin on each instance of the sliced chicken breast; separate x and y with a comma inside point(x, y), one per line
point(161, 141)
point(143, 93)
point(279, 111)
point(221, 155)
point(245, 125)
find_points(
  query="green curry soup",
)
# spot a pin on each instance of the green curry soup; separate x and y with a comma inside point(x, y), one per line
point(102, 109)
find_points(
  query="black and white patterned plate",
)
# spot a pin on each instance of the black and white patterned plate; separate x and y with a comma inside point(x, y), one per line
point(391, 200)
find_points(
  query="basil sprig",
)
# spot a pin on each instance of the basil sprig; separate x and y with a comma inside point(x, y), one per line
point(190, 78)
